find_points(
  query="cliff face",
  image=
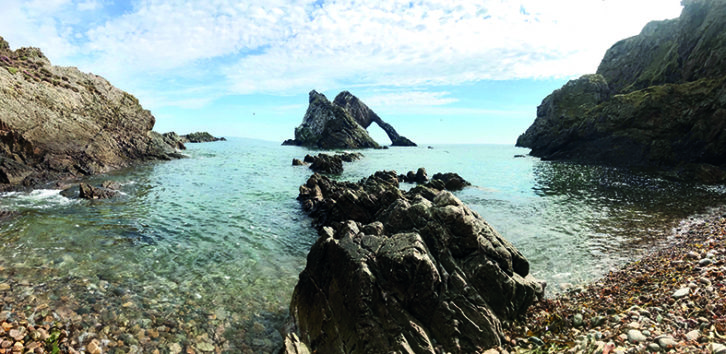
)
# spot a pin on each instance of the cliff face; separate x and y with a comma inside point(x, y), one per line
point(365, 117)
point(57, 122)
point(341, 124)
point(657, 101)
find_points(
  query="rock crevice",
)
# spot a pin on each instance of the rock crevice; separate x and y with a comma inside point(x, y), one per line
point(58, 122)
point(394, 271)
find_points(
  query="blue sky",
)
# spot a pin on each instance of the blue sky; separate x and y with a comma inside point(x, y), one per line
point(440, 71)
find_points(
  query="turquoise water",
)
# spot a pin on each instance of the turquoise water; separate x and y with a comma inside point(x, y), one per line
point(208, 249)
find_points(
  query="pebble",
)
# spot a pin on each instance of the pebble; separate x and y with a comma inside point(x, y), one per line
point(681, 293)
point(652, 347)
point(175, 348)
point(577, 320)
point(705, 262)
point(666, 342)
point(635, 336)
point(205, 347)
point(693, 255)
point(693, 335)
point(4, 286)
point(717, 348)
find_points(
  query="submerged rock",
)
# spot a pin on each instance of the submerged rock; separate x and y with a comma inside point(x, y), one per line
point(657, 101)
point(341, 124)
point(57, 122)
point(403, 272)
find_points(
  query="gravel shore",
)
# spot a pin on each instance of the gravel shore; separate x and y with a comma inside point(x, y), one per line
point(672, 300)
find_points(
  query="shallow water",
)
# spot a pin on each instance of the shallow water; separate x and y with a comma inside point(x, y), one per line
point(208, 248)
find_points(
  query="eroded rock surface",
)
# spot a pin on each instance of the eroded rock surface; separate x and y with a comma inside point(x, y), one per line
point(57, 122)
point(414, 272)
point(341, 124)
point(658, 101)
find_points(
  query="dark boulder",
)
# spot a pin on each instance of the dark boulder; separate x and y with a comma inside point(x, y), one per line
point(451, 181)
point(341, 124)
point(403, 272)
point(327, 126)
point(421, 175)
point(87, 191)
point(296, 162)
point(200, 137)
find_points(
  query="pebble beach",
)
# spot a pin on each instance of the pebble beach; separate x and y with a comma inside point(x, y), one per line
point(672, 300)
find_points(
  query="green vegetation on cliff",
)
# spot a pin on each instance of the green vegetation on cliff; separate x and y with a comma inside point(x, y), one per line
point(657, 101)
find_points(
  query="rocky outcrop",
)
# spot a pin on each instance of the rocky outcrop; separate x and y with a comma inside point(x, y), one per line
point(87, 191)
point(414, 272)
point(365, 117)
point(658, 100)
point(341, 124)
point(200, 137)
point(328, 164)
point(57, 122)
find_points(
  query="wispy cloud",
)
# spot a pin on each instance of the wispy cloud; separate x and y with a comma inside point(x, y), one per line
point(287, 46)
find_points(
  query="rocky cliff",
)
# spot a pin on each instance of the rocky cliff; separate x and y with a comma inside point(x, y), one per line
point(365, 117)
point(403, 272)
point(657, 101)
point(341, 124)
point(57, 122)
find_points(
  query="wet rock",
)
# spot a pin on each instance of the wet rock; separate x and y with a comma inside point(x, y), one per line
point(86, 191)
point(705, 262)
point(394, 271)
point(296, 162)
point(421, 176)
point(452, 181)
point(324, 163)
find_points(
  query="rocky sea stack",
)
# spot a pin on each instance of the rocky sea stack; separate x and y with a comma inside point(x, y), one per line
point(657, 101)
point(58, 122)
point(341, 124)
point(394, 271)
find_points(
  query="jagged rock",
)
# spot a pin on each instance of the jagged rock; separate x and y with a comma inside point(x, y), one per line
point(658, 100)
point(341, 124)
point(451, 181)
point(200, 137)
point(403, 272)
point(328, 126)
point(365, 116)
point(296, 162)
point(330, 164)
point(174, 140)
point(87, 191)
point(419, 177)
point(58, 122)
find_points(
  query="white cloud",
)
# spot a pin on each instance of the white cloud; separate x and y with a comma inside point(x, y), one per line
point(409, 99)
point(290, 46)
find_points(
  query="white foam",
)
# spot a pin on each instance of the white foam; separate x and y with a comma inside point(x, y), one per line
point(36, 199)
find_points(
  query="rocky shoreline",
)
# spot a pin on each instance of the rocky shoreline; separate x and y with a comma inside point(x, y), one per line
point(672, 300)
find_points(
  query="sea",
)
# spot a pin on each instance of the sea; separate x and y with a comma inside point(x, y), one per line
point(208, 249)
